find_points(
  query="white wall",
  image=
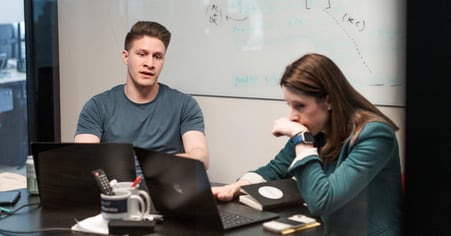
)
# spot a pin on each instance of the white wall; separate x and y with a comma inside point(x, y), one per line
point(238, 131)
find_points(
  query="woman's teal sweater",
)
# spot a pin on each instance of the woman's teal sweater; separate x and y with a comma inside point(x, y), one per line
point(358, 194)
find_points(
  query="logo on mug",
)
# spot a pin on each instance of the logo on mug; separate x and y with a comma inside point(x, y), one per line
point(114, 206)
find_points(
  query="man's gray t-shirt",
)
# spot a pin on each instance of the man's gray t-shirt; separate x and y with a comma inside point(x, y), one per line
point(156, 125)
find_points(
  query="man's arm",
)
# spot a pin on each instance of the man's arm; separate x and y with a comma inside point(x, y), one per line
point(86, 138)
point(195, 144)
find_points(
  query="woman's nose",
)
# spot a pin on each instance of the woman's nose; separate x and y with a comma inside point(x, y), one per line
point(293, 116)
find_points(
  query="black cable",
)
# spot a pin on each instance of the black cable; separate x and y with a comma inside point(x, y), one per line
point(4, 215)
point(12, 232)
point(12, 212)
point(51, 229)
point(48, 230)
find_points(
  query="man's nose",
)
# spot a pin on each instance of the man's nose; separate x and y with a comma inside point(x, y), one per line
point(149, 62)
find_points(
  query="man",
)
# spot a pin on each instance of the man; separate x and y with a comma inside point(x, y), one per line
point(145, 112)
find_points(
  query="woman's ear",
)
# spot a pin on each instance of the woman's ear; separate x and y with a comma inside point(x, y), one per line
point(327, 103)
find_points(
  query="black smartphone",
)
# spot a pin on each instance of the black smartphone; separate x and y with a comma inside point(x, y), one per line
point(9, 198)
point(119, 227)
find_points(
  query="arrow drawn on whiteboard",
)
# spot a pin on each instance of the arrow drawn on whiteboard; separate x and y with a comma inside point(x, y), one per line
point(354, 42)
point(215, 15)
point(236, 19)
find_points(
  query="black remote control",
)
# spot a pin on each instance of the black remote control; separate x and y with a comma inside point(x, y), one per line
point(103, 182)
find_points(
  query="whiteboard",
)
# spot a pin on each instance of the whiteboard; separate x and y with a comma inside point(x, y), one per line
point(240, 48)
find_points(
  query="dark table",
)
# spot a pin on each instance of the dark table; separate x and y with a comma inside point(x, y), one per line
point(33, 219)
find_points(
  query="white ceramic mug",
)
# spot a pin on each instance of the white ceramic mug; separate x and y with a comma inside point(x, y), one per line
point(121, 206)
point(137, 192)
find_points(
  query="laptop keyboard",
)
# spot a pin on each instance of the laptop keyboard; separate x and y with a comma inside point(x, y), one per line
point(229, 219)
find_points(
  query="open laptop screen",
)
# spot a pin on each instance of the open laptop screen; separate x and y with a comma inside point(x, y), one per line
point(180, 189)
point(64, 171)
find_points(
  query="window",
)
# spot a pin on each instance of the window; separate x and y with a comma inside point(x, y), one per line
point(29, 77)
point(13, 96)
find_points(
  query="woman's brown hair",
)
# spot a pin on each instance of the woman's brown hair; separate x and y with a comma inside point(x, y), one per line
point(318, 76)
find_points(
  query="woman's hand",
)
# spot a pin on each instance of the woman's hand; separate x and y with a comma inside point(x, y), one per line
point(285, 127)
point(227, 192)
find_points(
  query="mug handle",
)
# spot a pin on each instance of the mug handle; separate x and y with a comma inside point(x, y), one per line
point(141, 205)
point(147, 201)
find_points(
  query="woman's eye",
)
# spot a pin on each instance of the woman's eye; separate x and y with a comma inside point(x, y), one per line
point(298, 106)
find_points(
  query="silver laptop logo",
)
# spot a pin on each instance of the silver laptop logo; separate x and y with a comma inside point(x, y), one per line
point(178, 188)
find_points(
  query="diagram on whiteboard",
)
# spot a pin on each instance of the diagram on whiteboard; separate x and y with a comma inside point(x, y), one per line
point(240, 48)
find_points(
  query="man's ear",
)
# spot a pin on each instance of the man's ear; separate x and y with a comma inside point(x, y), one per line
point(125, 56)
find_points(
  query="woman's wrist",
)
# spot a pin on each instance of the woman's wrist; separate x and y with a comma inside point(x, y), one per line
point(301, 147)
point(298, 132)
point(303, 153)
point(242, 182)
point(252, 178)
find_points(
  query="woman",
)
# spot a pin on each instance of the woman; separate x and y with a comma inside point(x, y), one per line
point(343, 152)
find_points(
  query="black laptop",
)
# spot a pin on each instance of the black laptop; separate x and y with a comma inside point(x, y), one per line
point(180, 189)
point(64, 171)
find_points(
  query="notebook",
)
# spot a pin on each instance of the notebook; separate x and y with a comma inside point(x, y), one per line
point(272, 194)
point(64, 171)
point(180, 189)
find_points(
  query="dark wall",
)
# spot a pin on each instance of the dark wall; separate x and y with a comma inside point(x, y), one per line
point(428, 118)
